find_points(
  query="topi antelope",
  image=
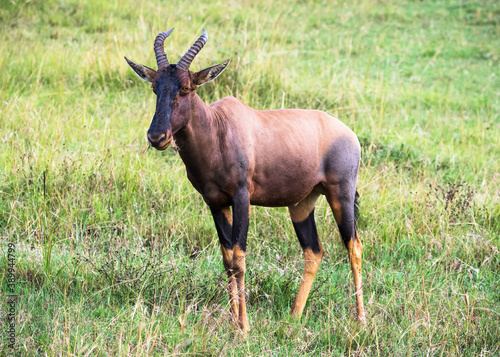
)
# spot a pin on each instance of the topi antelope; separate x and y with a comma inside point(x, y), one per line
point(236, 156)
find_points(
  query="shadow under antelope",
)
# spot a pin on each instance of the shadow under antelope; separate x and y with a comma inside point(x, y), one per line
point(236, 156)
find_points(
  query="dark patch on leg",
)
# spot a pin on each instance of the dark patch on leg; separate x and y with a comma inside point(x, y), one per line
point(241, 218)
point(344, 206)
point(307, 233)
point(341, 161)
point(224, 228)
point(222, 218)
point(346, 228)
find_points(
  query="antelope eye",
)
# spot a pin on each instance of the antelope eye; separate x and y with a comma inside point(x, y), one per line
point(184, 91)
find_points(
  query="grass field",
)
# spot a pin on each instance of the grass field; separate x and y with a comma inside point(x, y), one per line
point(116, 253)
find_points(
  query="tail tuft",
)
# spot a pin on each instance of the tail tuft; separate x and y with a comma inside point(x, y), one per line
point(356, 207)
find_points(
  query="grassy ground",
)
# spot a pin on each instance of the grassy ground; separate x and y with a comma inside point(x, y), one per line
point(116, 254)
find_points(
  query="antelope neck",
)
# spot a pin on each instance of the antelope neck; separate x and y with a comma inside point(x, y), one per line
point(202, 138)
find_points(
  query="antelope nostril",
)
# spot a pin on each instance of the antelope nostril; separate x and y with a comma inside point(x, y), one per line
point(155, 140)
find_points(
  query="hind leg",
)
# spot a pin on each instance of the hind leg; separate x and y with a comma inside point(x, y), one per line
point(303, 221)
point(341, 199)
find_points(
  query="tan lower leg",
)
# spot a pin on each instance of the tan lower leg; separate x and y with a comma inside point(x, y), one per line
point(312, 262)
point(227, 259)
point(355, 249)
point(240, 268)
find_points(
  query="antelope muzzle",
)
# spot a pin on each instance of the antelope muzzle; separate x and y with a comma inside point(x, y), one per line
point(160, 141)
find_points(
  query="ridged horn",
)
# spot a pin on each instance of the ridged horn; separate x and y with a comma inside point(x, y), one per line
point(186, 60)
point(161, 57)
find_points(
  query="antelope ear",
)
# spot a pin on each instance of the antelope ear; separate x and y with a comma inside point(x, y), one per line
point(210, 73)
point(144, 72)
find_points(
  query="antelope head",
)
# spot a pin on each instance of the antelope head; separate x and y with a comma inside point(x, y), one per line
point(174, 86)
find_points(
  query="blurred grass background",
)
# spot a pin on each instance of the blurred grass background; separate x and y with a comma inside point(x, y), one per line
point(116, 254)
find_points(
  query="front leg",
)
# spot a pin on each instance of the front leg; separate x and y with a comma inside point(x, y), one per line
point(224, 225)
point(241, 217)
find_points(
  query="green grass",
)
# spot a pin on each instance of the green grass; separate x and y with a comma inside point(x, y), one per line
point(116, 254)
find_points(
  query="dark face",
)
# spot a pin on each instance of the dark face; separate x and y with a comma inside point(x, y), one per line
point(172, 88)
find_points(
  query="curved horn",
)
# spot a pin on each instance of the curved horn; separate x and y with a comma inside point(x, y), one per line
point(161, 57)
point(186, 60)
